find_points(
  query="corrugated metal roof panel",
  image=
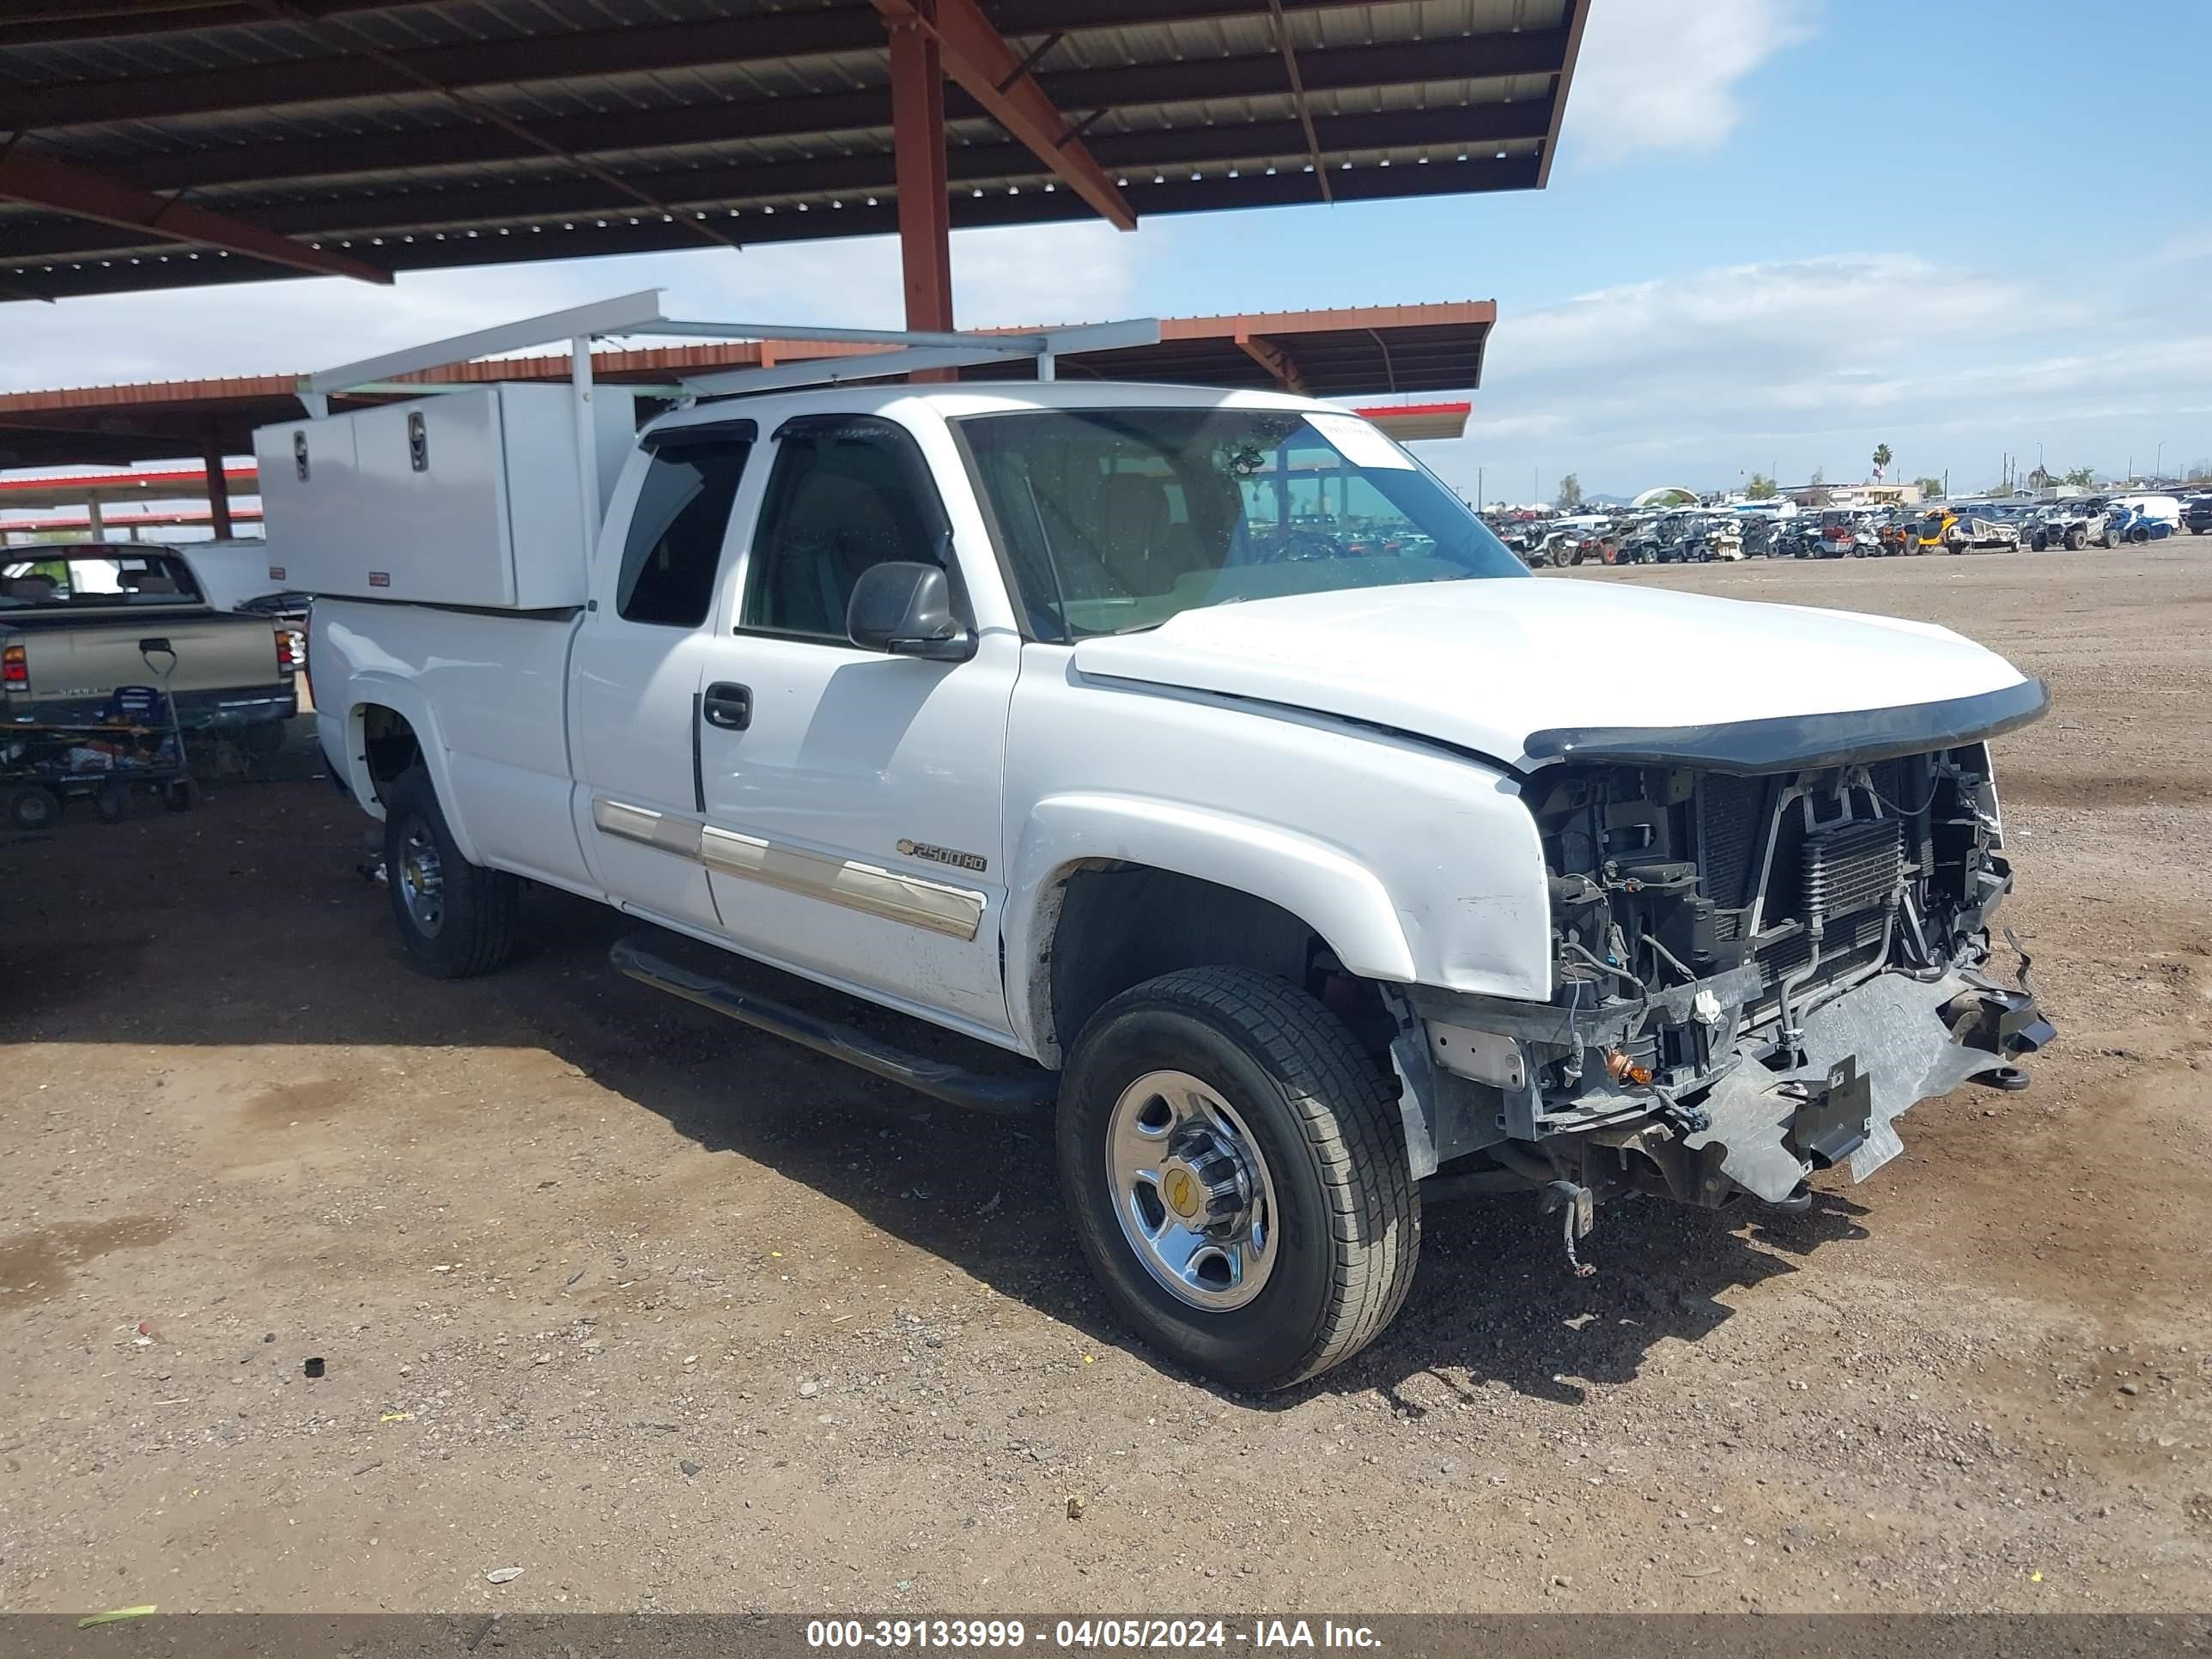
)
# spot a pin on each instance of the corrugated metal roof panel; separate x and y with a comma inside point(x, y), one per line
point(374, 123)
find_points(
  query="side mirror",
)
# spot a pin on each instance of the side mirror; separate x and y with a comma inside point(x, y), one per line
point(907, 610)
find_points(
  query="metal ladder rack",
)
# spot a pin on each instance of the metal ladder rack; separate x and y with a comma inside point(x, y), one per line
point(918, 351)
point(915, 352)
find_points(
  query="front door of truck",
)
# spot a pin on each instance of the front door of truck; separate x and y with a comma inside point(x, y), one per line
point(853, 799)
point(635, 677)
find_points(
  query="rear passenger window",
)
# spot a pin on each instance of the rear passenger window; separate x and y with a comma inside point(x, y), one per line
point(676, 533)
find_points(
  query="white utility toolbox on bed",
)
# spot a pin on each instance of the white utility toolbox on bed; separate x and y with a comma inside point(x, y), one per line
point(477, 497)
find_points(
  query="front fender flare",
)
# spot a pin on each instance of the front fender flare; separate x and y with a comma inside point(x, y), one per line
point(1339, 898)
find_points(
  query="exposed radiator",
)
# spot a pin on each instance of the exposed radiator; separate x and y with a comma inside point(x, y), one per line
point(1733, 816)
point(1852, 866)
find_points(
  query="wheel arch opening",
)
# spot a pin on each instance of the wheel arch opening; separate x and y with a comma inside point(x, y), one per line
point(1116, 925)
point(387, 744)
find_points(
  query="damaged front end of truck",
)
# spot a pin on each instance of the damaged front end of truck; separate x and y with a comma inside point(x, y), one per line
point(1770, 940)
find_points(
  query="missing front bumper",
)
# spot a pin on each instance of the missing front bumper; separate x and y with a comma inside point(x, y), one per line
point(1869, 1056)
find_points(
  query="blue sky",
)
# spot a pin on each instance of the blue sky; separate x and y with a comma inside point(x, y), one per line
point(1778, 232)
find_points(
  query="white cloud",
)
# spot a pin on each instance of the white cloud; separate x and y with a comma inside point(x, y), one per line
point(1701, 378)
point(1024, 274)
point(1666, 75)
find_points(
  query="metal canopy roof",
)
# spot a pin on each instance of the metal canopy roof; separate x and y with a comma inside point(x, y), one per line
point(170, 142)
point(1364, 352)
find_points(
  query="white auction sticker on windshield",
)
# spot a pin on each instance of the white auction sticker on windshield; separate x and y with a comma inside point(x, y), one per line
point(1360, 443)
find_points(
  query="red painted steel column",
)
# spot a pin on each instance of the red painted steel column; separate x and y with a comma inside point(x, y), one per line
point(924, 196)
point(218, 486)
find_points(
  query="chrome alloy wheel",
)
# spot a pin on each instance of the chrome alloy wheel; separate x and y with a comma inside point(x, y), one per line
point(1191, 1191)
point(423, 881)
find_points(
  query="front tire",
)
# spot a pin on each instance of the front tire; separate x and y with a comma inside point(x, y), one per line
point(1237, 1171)
point(456, 919)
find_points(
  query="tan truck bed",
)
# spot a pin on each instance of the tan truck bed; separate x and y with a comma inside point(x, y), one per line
point(63, 651)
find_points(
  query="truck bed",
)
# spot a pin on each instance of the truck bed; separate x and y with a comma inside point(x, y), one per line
point(499, 683)
point(65, 654)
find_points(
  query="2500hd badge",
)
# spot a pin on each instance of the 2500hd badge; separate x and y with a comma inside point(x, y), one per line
point(922, 849)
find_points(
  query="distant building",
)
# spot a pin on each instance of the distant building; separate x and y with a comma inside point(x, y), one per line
point(1854, 494)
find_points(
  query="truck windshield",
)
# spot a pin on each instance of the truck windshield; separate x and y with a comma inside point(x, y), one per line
point(1115, 519)
point(85, 581)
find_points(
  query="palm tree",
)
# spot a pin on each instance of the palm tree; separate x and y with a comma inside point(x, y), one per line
point(1882, 459)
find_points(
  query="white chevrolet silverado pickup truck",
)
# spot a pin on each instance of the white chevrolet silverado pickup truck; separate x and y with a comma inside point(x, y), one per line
point(1206, 751)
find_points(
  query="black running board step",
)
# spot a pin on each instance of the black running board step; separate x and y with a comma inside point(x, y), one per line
point(977, 1091)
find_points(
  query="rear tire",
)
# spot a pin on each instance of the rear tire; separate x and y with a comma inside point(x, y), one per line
point(113, 803)
point(33, 808)
point(1310, 1129)
point(456, 919)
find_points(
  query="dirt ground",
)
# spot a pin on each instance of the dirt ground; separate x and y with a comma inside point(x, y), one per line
point(670, 1315)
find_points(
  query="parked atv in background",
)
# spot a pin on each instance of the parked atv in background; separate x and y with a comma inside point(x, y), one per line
point(1978, 532)
point(1599, 547)
point(1522, 538)
point(1639, 546)
point(2134, 525)
point(1844, 535)
point(1677, 542)
point(2066, 524)
point(1926, 533)
point(1550, 547)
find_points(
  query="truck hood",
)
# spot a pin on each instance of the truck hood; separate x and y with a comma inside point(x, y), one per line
point(1487, 664)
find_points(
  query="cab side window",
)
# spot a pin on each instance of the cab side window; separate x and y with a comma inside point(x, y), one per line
point(848, 493)
point(676, 532)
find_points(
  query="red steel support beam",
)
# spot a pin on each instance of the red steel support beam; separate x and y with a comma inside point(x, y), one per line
point(218, 484)
point(86, 195)
point(1299, 97)
point(1273, 358)
point(990, 71)
point(925, 205)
